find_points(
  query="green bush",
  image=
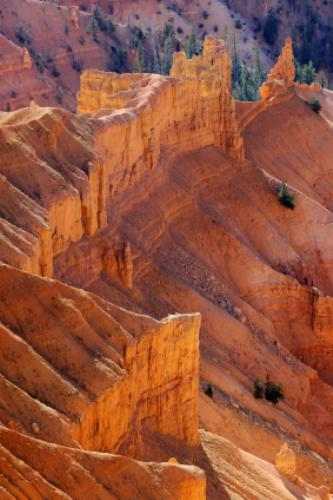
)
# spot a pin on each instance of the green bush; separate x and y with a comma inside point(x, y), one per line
point(270, 390)
point(273, 392)
point(286, 197)
point(315, 105)
point(258, 389)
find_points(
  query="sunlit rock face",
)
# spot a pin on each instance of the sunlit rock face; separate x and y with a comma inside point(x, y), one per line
point(160, 197)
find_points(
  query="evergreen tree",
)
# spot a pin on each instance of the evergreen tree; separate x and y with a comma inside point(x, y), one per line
point(156, 63)
point(191, 45)
point(92, 28)
point(308, 73)
point(168, 49)
point(236, 65)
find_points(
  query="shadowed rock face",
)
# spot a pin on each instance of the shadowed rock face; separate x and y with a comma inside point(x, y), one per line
point(151, 205)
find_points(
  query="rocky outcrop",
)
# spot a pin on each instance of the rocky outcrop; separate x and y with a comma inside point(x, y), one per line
point(41, 214)
point(80, 164)
point(192, 108)
point(100, 375)
point(282, 75)
point(31, 468)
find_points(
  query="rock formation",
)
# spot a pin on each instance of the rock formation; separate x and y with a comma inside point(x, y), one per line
point(151, 198)
point(282, 76)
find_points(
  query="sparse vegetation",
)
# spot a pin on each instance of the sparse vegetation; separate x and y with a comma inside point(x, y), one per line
point(24, 35)
point(285, 196)
point(306, 73)
point(55, 71)
point(258, 389)
point(39, 62)
point(209, 391)
point(315, 105)
point(76, 65)
point(272, 391)
point(59, 95)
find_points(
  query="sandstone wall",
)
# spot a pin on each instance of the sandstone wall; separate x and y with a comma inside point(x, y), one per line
point(65, 169)
point(192, 108)
point(100, 375)
point(31, 468)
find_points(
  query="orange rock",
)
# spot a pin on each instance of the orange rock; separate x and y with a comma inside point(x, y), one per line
point(282, 76)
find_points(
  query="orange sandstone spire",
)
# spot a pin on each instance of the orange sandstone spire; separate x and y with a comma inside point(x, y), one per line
point(282, 75)
point(284, 69)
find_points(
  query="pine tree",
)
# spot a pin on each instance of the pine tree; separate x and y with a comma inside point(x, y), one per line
point(156, 63)
point(308, 73)
point(92, 28)
point(191, 45)
point(168, 49)
point(236, 65)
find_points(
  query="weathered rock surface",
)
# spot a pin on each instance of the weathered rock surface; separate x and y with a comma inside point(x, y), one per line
point(35, 469)
point(282, 75)
point(150, 204)
point(89, 373)
point(207, 232)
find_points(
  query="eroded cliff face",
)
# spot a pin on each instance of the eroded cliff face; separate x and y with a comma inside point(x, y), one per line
point(141, 116)
point(105, 371)
point(79, 164)
point(206, 231)
point(150, 204)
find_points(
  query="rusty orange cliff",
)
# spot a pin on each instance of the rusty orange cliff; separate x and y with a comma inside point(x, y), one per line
point(161, 198)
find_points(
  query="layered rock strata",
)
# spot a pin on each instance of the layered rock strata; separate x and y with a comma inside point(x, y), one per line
point(87, 372)
point(169, 217)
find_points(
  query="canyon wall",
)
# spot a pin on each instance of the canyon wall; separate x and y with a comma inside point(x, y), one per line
point(138, 117)
point(79, 164)
point(32, 468)
point(100, 374)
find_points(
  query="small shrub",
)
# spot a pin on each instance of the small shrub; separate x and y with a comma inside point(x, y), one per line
point(39, 62)
point(238, 24)
point(76, 65)
point(209, 391)
point(205, 14)
point(82, 40)
point(24, 35)
point(55, 71)
point(59, 94)
point(258, 389)
point(13, 94)
point(286, 198)
point(315, 105)
point(273, 392)
point(49, 58)
point(66, 30)
point(270, 390)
